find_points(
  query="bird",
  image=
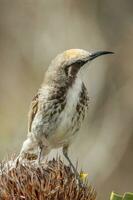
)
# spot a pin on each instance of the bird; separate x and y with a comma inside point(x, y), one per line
point(59, 107)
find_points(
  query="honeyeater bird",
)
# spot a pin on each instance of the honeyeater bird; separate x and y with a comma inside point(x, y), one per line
point(60, 105)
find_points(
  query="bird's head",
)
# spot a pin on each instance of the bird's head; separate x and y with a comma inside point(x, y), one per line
point(65, 66)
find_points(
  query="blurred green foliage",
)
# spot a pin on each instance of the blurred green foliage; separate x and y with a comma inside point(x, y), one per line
point(126, 196)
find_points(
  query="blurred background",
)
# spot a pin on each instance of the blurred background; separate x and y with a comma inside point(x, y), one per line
point(34, 32)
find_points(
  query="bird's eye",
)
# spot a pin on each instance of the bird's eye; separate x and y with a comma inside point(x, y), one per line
point(80, 62)
point(74, 67)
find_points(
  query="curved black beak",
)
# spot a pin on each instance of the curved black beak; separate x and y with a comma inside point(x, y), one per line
point(98, 53)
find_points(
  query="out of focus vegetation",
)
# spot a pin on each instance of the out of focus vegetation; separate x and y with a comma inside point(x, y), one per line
point(126, 196)
point(31, 34)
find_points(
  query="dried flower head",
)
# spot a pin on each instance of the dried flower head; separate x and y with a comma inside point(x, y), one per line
point(50, 181)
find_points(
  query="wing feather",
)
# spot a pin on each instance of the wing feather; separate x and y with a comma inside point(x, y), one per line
point(33, 111)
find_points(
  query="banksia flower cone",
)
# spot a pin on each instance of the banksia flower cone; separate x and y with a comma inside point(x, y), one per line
point(50, 181)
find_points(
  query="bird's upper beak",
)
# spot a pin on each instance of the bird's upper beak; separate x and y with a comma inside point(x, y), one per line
point(94, 55)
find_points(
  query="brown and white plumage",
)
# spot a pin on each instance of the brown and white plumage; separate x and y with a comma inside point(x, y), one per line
point(32, 111)
point(58, 109)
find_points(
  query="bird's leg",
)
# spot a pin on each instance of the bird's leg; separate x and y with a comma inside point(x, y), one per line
point(43, 149)
point(40, 149)
point(65, 153)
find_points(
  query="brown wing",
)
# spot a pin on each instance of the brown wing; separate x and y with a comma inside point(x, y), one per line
point(33, 111)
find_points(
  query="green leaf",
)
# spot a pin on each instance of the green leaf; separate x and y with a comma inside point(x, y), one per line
point(115, 196)
point(128, 196)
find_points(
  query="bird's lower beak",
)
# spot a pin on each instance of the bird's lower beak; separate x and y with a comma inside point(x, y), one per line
point(98, 53)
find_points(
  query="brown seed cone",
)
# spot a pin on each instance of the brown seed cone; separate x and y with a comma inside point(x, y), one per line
point(52, 181)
